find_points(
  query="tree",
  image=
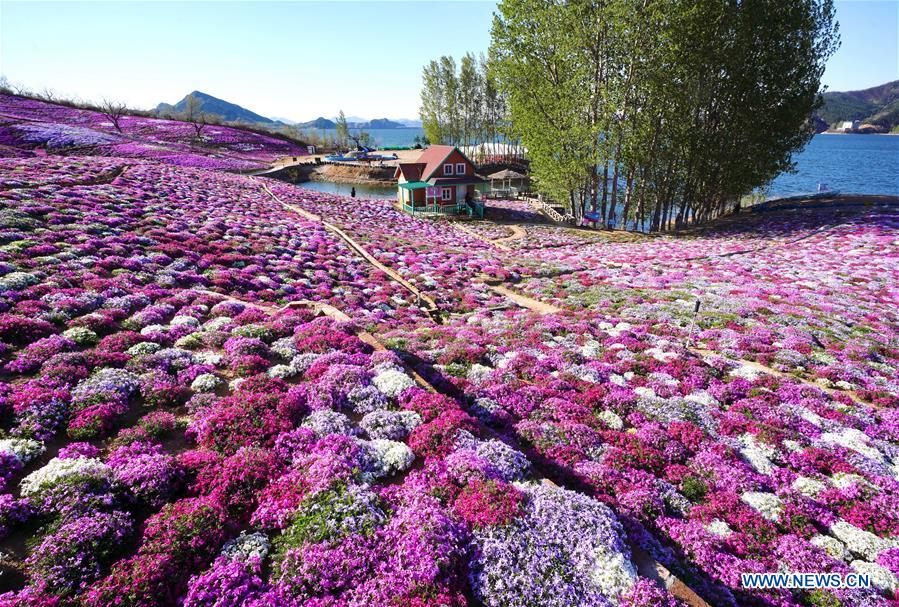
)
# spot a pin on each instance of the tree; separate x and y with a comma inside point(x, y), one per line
point(343, 130)
point(194, 114)
point(660, 112)
point(114, 111)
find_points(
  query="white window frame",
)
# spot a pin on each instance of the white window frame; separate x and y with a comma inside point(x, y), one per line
point(460, 168)
point(448, 168)
point(446, 194)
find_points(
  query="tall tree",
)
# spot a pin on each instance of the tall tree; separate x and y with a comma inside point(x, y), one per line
point(342, 129)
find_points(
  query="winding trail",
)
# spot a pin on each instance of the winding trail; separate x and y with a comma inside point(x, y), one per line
point(518, 233)
point(430, 305)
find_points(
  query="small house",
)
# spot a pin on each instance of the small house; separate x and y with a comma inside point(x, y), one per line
point(442, 180)
point(849, 126)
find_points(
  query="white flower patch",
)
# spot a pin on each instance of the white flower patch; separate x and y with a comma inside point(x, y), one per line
point(188, 321)
point(208, 358)
point(855, 440)
point(216, 323)
point(81, 335)
point(618, 380)
point(591, 349)
point(25, 449)
point(832, 546)
point(719, 528)
point(661, 355)
point(282, 371)
point(758, 455)
point(808, 486)
point(16, 281)
point(747, 372)
point(206, 382)
point(247, 546)
point(844, 385)
point(645, 392)
point(56, 470)
point(858, 541)
point(478, 373)
point(793, 446)
point(285, 348)
point(881, 577)
point(841, 480)
point(766, 504)
point(613, 574)
point(391, 456)
point(150, 329)
point(392, 381)
point(611, 419)
point(143, 348)
point(703, 398)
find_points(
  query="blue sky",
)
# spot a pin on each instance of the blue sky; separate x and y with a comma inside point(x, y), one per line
point(300, 60)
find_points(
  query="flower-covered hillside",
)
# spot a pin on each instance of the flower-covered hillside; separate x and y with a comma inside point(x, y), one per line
point(224, 390)
point(33, 127)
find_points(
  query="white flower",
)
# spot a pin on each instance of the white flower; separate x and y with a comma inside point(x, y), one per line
point(859, 541)
point(844, 385)
point(855, 440)
point(881, 577)
point(188, 321)
point(208, 358)
point(808, 486)
point(392, 381)
point(81, 335)
point(153, 329)
point(591, 349)
point(143, 348)
point(719, 528)
point(611, 419)
point(832, 546)
point(25, 449)
point(56, 470)
point(745, 371)
point(216, 323)
point(391, 456)
point(703, 398)
point(282, 371)
point(757, 454)
point(478, 373)
point(247, 546)
point(206, 382)
point(645, 392)
point(841, 480)
point(766, 504)
point(16, 281)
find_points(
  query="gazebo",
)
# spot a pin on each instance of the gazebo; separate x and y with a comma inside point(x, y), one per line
point(506, 176)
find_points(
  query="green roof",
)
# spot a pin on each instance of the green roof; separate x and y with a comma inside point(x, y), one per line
point(414, 185)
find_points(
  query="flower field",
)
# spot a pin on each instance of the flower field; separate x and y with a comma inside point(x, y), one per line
point(32, 127)
point(208, 397)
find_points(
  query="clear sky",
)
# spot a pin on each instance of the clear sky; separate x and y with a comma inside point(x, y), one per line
point(300, 60)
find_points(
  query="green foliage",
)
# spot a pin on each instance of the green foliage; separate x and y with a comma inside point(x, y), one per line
point(664, 112)
point(693, 488)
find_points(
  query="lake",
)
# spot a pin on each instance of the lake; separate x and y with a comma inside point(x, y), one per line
point(343, 189)
point(852, 164)
point(388, 137)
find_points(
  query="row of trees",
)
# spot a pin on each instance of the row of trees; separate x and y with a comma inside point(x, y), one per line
point(652, 113)
point(462, 105)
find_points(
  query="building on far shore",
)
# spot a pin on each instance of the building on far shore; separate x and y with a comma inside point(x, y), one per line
point(849, 126)
point(439, 181)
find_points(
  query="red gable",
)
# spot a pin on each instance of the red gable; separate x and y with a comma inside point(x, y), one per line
point(411, 171)
point(434, 157)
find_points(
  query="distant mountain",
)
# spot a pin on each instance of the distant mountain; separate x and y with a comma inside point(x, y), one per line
point(410, 122)
point(380, 123)
point(377, 123)
point(878, 105)
point(226, 111)
point(318, 123)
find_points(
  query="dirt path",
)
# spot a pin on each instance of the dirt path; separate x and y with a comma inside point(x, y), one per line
point(702, 353)
point(496, 243)
point(524, 301)
point(518, 233)
point(430, 305)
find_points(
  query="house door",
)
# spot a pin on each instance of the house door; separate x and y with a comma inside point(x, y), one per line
point(460, 193)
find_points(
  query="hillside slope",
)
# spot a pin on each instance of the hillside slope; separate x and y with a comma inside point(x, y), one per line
point(878, 105)
point(30, 127)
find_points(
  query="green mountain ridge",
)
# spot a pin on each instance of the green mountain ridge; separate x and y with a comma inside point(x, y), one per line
point(878, 105)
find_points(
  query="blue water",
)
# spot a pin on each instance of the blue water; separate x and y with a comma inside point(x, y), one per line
point(344, 189)
point(853, 164)
point(392, 137)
